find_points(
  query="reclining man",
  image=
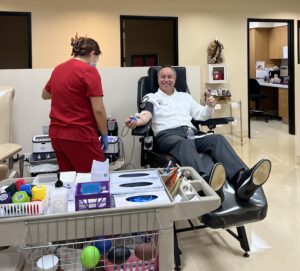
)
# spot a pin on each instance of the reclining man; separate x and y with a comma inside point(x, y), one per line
point(171, 113)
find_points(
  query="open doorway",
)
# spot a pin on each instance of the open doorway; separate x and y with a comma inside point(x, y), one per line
point(15, 40)
point(271, 70)
point(148, 41)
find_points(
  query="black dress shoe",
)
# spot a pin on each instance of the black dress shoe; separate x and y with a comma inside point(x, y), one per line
point(217, 179)
point(251, 179)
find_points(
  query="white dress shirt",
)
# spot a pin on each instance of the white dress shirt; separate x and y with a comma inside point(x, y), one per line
point(178, 109)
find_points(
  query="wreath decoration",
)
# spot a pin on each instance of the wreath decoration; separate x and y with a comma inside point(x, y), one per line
point(214, 52)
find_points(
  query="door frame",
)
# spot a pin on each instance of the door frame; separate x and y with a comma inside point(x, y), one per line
point(291, 67)
point(175, 28)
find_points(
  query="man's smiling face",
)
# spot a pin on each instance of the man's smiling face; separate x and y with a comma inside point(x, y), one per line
point(166, 80)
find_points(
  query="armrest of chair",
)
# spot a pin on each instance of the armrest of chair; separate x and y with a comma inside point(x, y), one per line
point(212, 123)
point(141, 130)
point(146, 142)
point(7, 150)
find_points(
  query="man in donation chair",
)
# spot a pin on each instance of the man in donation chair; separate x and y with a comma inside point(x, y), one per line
point(171, 113)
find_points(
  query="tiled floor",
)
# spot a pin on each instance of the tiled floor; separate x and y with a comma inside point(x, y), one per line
point(275, 241)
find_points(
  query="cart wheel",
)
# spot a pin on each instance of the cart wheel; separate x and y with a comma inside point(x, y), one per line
point(177, 268)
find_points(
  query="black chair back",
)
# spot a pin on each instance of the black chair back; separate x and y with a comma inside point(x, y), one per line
point(149, 84)
point(180, 84)
point(254, 87)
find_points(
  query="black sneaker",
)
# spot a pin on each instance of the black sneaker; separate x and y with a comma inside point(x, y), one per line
point(251, 179)
point(217, 179)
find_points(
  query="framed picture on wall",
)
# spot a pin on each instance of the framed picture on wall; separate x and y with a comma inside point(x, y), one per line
point(260, 65)
point(144, 60)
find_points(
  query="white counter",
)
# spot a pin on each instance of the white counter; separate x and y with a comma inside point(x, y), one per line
point(265, 84)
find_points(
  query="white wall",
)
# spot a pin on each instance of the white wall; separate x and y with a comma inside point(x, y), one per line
point(120, 92)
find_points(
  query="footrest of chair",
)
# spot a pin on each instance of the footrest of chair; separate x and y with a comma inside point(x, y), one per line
point(236, 212)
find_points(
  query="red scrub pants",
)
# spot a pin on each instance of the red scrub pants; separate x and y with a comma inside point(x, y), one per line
point(76, 156)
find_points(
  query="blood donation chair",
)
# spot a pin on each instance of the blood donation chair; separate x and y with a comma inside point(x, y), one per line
point(232, 212)
point(7, 148)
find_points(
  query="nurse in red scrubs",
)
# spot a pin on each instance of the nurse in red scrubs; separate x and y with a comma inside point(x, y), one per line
point(77, 108)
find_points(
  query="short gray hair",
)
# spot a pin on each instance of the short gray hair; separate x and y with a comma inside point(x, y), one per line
point(167, 66)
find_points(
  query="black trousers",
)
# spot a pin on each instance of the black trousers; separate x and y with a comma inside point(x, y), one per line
point(214, 147)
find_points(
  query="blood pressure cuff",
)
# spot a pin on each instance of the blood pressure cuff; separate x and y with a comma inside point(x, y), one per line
point(146, 106)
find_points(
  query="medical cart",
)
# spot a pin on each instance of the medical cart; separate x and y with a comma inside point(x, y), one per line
point(129, 226)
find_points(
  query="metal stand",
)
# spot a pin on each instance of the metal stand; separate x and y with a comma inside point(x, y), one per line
point(241, 236)
point(177, 252)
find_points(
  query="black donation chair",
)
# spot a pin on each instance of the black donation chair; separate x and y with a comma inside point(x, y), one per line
point(150, 153)
point(232, 212)
point(256, 95)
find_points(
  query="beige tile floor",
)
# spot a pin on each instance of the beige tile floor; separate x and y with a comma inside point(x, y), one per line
point(275, 241)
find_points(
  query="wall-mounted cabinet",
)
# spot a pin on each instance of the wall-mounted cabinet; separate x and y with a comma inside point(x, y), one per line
point(259, 48)
point(267, 44)
point(216, 73)
point(278, 40)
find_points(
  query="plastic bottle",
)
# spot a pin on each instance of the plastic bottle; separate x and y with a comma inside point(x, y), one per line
point(112, 126)
point(190, 133)
point(59, 197)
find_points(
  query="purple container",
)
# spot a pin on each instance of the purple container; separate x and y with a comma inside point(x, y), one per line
point(92, 201)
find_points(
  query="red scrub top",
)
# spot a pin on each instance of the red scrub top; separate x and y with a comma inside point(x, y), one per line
point(71, 85)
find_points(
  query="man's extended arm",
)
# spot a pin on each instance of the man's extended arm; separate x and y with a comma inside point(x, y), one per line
point(200, 112)
point(141, 119)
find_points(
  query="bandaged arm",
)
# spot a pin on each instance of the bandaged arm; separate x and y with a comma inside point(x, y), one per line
point(146, 114)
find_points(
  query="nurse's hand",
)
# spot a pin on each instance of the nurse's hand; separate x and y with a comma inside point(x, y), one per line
point(104, 142)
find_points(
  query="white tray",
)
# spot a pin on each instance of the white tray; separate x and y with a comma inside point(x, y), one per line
point(23, 209)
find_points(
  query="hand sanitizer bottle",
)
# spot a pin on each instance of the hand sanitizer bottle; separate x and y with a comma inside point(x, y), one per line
point(59, 197)
point(190, 133)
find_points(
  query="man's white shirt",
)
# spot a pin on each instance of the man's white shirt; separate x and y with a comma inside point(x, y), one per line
point(178, 109)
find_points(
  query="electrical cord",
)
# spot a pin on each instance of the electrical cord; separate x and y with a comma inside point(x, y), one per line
point(124, 134)
point(131, 155)
point(122, 148)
